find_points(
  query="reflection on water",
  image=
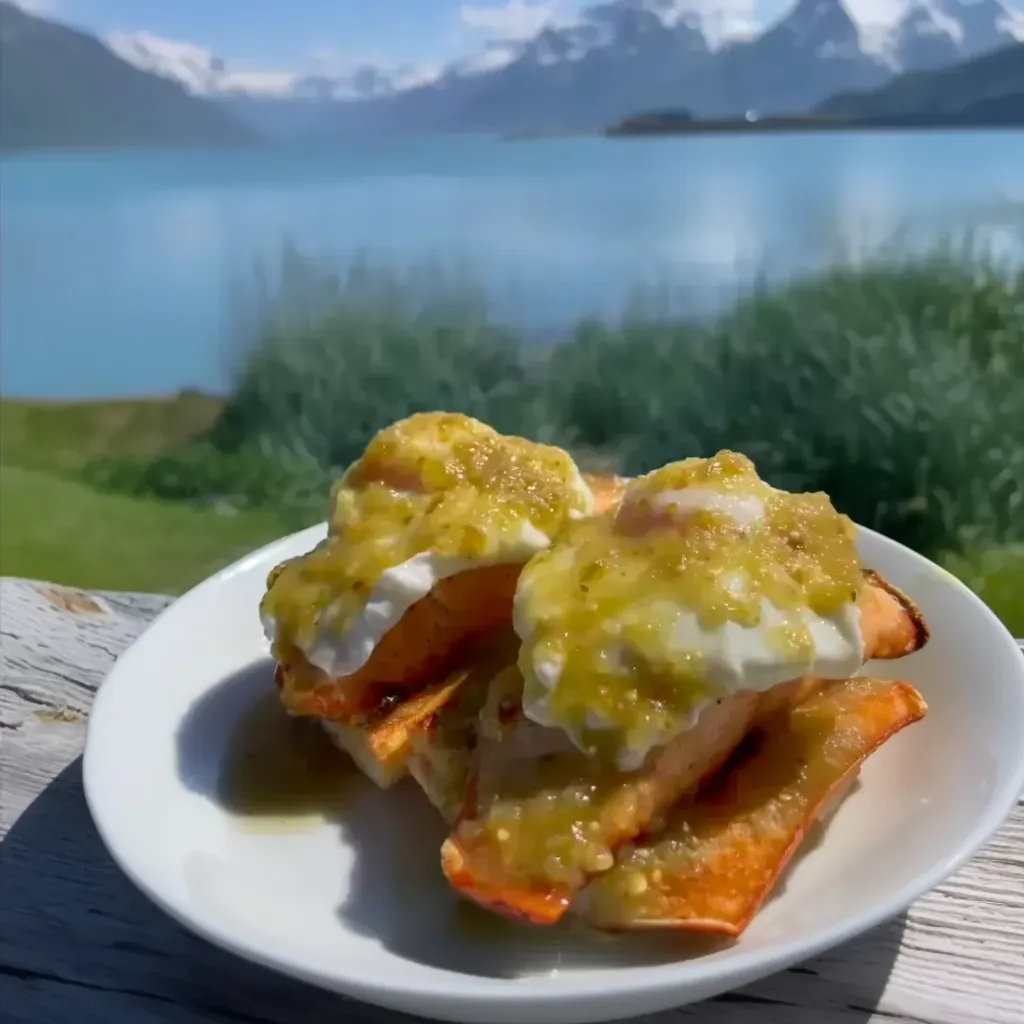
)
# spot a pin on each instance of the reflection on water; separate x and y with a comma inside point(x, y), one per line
point(142, 247)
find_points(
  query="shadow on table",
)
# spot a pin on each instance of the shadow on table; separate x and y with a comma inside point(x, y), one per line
point(78, 941)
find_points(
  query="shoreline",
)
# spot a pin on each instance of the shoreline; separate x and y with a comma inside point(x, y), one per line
point(156, 398)
point(641, 127)
point(708, 128)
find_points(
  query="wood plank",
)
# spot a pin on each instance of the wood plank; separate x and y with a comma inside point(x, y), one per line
point(79, 943)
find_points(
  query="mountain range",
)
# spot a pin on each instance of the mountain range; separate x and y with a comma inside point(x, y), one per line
point(615, 58)
point(988, 89)
point(60, 86)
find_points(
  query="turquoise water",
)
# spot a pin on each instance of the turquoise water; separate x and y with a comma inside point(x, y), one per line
point(120, 271)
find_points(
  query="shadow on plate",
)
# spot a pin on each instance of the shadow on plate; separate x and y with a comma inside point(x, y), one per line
point(273, 771)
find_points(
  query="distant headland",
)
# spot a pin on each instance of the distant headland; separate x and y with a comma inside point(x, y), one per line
point(1004, 112)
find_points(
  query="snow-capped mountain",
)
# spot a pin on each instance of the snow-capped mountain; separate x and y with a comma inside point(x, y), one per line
point(62, 87)
point(726, 24)
point(195, 68)
point(619, 57)
point(203, 73)
point(612, 59)
point(822, 27)
point(933, 33)
point(615, 59)
point(621, 30)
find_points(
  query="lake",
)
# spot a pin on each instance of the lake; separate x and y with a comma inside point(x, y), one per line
point(121, 272)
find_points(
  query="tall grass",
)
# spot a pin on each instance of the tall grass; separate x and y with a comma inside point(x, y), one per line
point(898, 388)
point(896, 385)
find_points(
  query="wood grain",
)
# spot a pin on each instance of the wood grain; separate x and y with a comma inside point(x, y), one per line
point(79, 944)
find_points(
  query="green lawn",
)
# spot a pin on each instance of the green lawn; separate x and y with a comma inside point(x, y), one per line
point(66, 435)
point(54, 527)
point(61, 530)
point(998, 576)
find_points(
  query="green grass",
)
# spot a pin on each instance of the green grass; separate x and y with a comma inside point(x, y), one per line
point(64, 531)
point(54, 526)
point(894, 386)
point(66, 436)
point(997, 575)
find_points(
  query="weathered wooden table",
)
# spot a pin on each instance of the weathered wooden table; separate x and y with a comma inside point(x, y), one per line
point(79, 944)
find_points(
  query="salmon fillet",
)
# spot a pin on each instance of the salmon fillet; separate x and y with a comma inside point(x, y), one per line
point(541, 819)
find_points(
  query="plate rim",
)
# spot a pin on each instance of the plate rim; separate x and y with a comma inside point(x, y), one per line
point(657, 985)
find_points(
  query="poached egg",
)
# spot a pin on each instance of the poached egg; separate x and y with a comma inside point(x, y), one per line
point(433, 496)
point(705, 582)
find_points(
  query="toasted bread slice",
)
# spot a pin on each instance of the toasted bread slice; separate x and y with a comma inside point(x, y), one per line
point(891, 623)
point(716, 862)
point(382, 740)
point(443, 746)
point(518, 848)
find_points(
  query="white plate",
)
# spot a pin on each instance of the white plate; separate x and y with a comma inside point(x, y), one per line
point(359, 905)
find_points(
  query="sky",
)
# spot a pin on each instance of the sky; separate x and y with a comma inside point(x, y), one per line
point(320, 34)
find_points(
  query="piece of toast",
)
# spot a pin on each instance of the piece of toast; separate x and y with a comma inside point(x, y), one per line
point(443, 746)
point(380, 741)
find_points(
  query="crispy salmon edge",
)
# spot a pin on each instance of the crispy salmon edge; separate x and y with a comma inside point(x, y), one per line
point(382, 749)
point(917, 709)
point(534, 906)
point(922, 634)
point(543, 905)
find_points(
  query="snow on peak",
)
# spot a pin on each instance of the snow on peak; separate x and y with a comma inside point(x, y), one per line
point(1012, 24)
point(889, 29)
point(203, 73)
point(566, 37)
point(932, 18)
point(492, 57)
point(197, 69)
point(720, 23)
point(895, 32)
